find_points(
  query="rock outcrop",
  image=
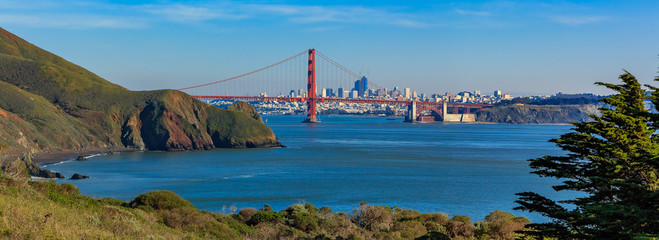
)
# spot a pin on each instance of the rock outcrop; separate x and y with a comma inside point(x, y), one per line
point(24, 167)
point(77, 176)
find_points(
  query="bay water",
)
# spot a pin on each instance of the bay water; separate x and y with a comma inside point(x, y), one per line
point(457, 169)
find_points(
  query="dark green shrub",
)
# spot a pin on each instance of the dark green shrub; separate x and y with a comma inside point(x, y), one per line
point(311, 208)
point(304, 221)
point(438, 218)
point(234, 224)
point(111, 201)
point(245, 214)
point(266, 208)
point(264, 217)
point(434, 236)
point(373, 218)
point(302, 217)
point(462, 218)
point(409, 229)
point(165, 200)
point(201, 223)
point(460, 226)
point(501, 225)
point(408, 214)
point(325, 210)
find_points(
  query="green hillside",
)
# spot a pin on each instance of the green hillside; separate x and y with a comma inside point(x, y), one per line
point(48, 103)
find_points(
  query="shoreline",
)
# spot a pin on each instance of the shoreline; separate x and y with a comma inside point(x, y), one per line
point(56, 156)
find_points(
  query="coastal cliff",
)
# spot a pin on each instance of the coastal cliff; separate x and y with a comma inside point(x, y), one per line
point(50, 104)
point(537, 114)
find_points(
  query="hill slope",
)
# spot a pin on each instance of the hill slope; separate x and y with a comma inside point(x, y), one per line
point(537, 114)
point(48, 103)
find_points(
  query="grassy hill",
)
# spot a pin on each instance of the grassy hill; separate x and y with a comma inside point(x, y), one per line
point(48, 103)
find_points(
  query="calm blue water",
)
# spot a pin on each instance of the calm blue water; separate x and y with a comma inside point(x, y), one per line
point(469, 169)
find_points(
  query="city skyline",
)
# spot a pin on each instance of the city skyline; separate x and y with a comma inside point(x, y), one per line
point(518, 47)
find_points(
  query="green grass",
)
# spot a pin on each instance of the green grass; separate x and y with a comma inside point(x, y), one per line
point(47, 210)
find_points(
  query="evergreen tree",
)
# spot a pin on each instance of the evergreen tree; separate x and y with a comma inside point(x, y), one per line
point(614, 161)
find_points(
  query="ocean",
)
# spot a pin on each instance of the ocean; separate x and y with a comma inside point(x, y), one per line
point(457, 169)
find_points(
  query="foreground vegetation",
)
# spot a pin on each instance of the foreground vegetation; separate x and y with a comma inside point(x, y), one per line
point(614, 162)
point(47, 210)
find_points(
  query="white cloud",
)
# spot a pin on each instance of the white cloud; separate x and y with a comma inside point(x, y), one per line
point(323, 29)
point(108, 15)
point(337, 14)
point(72, 21)
point(577, 20)
point(184, 13)
point(473, 13)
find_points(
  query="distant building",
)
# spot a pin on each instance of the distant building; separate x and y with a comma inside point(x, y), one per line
point(292, 94)
point(323, 93)
point(407, 93)
point(361, 85)
point(340, 93)
point(497, 93)
point(354, 94)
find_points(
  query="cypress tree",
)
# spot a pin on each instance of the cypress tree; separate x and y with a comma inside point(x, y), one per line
point(614, 161)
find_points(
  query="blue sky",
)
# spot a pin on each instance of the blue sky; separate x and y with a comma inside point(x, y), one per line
point(519, 47)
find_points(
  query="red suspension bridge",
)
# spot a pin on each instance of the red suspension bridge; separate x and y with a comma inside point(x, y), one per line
point(285, 77)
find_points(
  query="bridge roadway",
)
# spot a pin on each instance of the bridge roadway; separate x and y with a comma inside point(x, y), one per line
point(345, 100)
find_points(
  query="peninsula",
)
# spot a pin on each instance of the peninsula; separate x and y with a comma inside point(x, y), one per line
point(48, 104)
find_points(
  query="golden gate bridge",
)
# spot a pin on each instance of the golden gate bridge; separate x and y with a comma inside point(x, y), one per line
point(289, 74)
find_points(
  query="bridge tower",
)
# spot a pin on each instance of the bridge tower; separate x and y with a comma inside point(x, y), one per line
point(311, 88)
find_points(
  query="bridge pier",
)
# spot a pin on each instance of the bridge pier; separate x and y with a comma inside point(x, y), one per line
point(411, 112)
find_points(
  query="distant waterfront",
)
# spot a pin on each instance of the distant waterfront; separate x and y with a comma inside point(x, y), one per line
point(469, 169)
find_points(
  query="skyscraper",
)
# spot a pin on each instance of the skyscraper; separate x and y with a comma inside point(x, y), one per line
point(361, 85)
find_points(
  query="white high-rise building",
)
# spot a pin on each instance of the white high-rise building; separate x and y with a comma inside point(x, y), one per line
point(354, 94)
point(408, 93)
point(323, 93)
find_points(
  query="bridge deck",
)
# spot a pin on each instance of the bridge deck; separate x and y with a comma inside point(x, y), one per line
point(344, 100)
